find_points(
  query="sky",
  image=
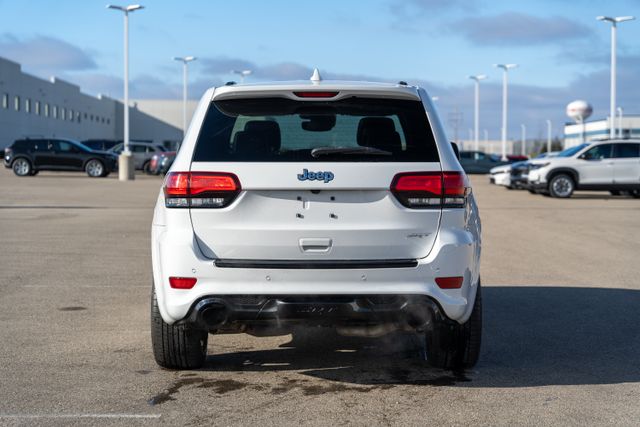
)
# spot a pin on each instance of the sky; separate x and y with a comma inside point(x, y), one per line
point(563, 53)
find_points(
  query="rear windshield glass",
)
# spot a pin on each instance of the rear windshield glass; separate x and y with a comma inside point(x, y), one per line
point(283, 130)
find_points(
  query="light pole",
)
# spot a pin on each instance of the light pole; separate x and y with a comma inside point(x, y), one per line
point(505, 68)
point(125, 161)
point(524, 139)
point(243, 74)
point(185, 61)
point(548, 136)
point(612, 107)
point(619, 122)
point(476, 111)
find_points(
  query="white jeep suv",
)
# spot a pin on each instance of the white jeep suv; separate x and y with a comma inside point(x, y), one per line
point(316, 203)
point(612, 165)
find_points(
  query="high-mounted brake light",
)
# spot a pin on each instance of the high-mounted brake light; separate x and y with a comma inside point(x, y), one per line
point(200, 189)
point(182, 282)
point(424, 190)
point(315, 94)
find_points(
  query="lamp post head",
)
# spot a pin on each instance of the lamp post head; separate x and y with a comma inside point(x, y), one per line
point(505, 67)
point(184, 59)
point(479, 77)
point(125, 9)
point(243, 73)
point(615, 19)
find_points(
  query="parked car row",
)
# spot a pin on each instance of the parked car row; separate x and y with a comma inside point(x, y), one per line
point(610, 165)
point(480, 162)
point(27, 157)
point(98, 158)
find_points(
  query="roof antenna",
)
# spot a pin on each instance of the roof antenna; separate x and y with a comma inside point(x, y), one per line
point(316, 76)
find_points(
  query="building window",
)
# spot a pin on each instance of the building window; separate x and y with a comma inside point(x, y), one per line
point(91, 117)
point(55, 112)
point(46, 110)
point(36, 108)
point(5, 100)
point(85, 116)
point(27, 105)
point(108, 121)
point(78, 116)
point(16, 103)
point(62, 113)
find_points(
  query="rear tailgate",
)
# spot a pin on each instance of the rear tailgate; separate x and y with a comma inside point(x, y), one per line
point(352, 217)
point(314, 177)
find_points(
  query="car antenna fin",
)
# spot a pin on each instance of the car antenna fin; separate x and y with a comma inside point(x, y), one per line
point(315, 77)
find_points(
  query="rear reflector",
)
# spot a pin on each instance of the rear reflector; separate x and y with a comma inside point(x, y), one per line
point(423, 190)
point(200, 189)
point(182, 282)
point(315, 94)
point(449, 282)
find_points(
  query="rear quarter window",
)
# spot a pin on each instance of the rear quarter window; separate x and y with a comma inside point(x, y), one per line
point(283, 130)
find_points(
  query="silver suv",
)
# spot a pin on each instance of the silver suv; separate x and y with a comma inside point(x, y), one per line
point(320, 203)
point(612, 165)
point(142, 153)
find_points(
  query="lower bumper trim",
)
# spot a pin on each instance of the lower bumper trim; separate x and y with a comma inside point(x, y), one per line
point(412, 311)
point(316, 264)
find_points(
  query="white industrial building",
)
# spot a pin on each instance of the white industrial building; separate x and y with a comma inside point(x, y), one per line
point(491, 146)
point(33, 107)
point(576, 133)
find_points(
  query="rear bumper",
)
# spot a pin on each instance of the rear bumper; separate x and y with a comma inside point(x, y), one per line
point(175, 253)
point(407, 312)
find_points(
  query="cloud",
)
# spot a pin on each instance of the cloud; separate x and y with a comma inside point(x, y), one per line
point(410, 16)
point(224, 65)
point(97, 83)
point(46, 55)
point(413, 7)
point(514, 29)
point(221, 68)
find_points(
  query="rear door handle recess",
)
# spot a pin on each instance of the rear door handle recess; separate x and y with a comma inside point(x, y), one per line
point(315, 244)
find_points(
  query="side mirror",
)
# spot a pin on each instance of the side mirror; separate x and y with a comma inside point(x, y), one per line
point(456, 150)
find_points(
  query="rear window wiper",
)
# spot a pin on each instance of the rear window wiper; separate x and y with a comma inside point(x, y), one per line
point(326, 151)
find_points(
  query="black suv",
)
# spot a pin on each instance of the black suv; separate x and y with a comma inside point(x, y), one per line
point(29, 156)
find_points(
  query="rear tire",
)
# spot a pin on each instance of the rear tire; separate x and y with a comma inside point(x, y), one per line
point(562, 186)
point(146, 167)
point(454, 346)
point(176, 346)
point(22, 167)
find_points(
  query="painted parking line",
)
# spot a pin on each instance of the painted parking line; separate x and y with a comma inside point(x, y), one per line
point(67, 416)
point(86, 286)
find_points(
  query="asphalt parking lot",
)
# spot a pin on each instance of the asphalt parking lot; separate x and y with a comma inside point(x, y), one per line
point(561, 336)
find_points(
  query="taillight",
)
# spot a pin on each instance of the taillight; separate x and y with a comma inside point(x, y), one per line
point(200, 189)
point(424, 190)
point(182, 282)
